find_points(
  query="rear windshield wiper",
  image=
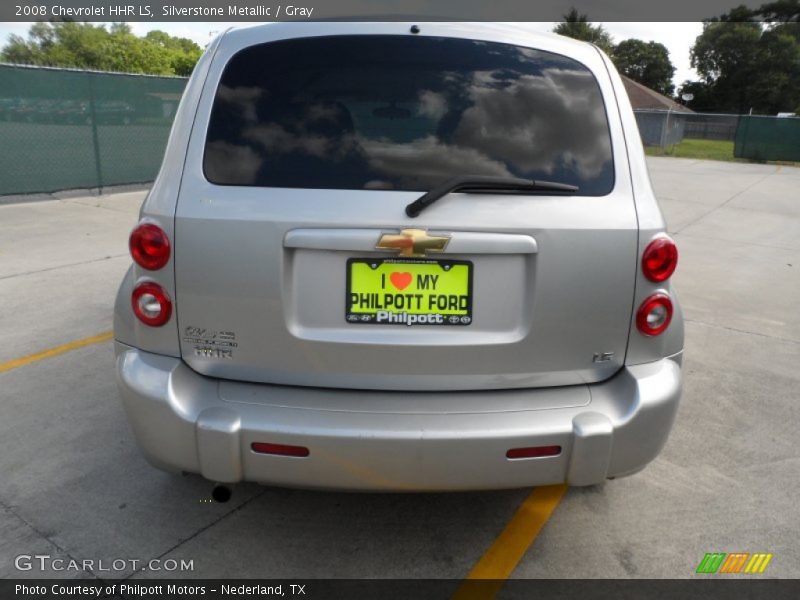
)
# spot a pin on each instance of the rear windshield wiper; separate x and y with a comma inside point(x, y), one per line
point(476, 183)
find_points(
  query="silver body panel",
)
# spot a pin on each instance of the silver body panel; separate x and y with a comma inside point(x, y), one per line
point(556, 283)
point(385, 441)
point(276, 297)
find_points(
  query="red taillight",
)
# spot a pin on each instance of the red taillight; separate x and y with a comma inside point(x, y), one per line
point(660, 259)
point(654, 314)
point(151, 304)
point(279, 449)
point(149, 246)
point(534, 452)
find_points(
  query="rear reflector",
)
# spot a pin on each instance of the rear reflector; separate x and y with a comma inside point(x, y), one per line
point(279, 449)
point(534, 452)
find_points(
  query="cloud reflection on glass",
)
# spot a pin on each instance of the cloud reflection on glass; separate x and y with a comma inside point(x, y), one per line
point(402, 113)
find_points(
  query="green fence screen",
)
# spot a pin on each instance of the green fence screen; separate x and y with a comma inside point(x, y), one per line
point(64, 129)
point(768, 138)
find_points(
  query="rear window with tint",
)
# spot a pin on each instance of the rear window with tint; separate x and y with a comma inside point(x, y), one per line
point(405, 113)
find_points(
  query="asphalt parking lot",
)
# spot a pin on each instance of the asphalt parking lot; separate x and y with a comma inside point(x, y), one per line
point(73, 484)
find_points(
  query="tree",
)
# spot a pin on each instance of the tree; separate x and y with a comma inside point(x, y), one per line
point(783, 11)
point(87, 46)
point(747, 66)
point(702, 96)
point(725, 56)
point(645, 62)
point(183, 52)
point(577, 26)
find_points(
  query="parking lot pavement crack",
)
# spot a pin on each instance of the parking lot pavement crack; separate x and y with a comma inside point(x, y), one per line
point(732, 198)
point(744, 331)
point(205, 528)
point(13, 513)
point(76, 264)
point(95, 205)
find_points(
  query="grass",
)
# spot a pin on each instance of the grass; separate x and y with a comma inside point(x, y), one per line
point(703, 149)
point(708, 150)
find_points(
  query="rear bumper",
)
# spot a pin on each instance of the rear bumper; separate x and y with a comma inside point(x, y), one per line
point(396, 441)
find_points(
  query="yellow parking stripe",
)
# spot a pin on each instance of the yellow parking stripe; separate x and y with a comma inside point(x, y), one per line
point(502, 557)
point(32, 358)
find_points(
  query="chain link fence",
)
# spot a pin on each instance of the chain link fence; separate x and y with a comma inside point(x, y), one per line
point(64, 129)
point(711, 126)
point(753, 137)
point(666, 128)
point(661, 128)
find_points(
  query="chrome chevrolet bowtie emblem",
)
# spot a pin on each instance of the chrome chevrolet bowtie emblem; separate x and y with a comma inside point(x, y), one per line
point(413, 242)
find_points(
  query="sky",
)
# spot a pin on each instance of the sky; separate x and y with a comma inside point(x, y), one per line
point(677, 37)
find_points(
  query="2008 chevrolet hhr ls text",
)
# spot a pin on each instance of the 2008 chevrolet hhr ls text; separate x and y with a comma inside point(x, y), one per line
point(401, 257)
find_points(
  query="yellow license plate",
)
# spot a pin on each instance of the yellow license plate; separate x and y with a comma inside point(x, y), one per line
point(409, 292)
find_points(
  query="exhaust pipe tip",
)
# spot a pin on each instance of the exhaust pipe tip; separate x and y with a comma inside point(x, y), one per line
point(221, 493)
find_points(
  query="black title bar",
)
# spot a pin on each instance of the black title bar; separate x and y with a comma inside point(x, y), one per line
point(707, 587)
point(363, 10)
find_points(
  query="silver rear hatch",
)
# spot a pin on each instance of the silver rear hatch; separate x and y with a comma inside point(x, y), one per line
point(297, 264)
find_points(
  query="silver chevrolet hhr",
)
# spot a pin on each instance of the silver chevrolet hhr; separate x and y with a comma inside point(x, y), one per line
point(401, 257)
